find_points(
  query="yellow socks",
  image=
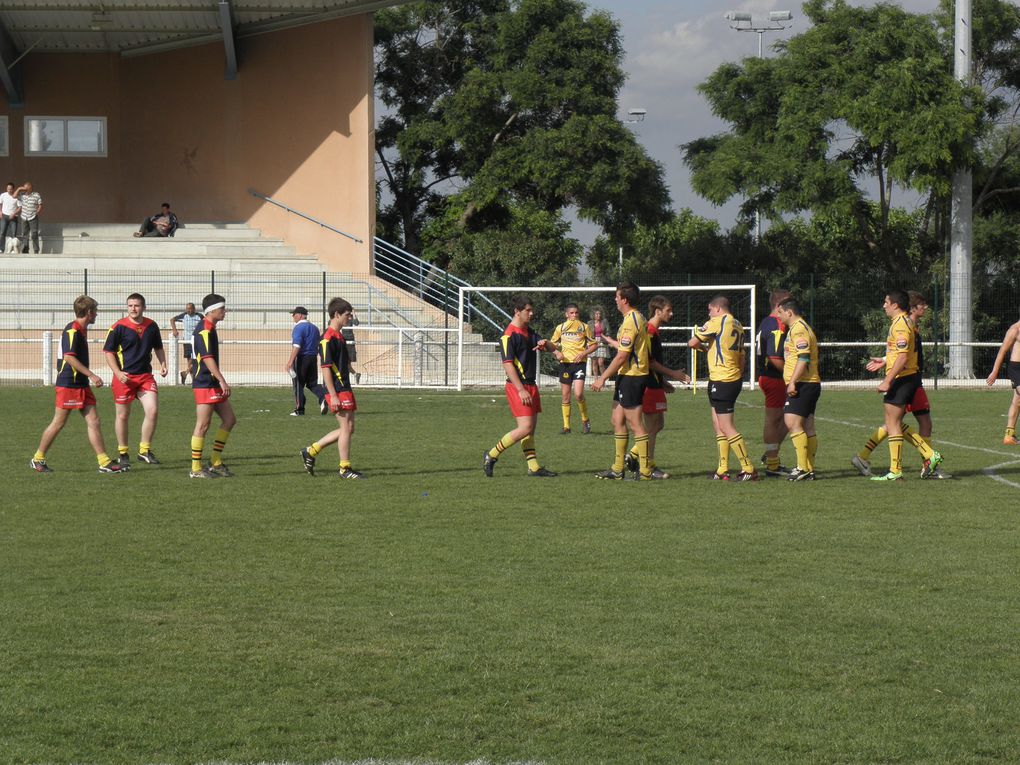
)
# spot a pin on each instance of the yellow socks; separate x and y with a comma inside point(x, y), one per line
point(918, 443)
point(772, 462)
point(739, 448)
point(895, 454)
point(102, 458)
point(122, 449)
point(314, 449)
point(221, 441)
point(812, 449)
point(620, 445)
point(501, 446)
point(800, 445)
point(565, 408)
point(144, 447)
point(876, 438)
point(582, 404)
point(40, 456)
point(528, 445)
point(724, 454)
point(197, 445)
point(641, 448)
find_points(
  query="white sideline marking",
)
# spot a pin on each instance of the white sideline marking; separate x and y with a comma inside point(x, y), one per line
point(383, 762)
point(989, 471)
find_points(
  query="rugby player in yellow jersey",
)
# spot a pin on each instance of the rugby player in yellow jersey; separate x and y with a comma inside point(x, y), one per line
point(900, 382)
point(803, 387)
point(632, 363)
point(575, 342)
point(722, 339)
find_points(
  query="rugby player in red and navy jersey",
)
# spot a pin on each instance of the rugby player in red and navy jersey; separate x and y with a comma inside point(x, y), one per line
point(335, 360)
point(770, 362)
point(520, 362)
point(129, 346)
point(212, 393)
point(74, 391)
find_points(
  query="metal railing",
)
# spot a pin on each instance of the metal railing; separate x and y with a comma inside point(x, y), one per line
point(307, 217)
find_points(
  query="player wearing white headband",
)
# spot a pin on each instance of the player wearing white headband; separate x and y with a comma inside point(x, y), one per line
point(212, 393)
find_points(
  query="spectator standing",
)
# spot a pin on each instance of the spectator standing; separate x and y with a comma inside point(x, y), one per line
point(303, 361)
point(189, 319)
point(600, 331)
point(31, 208)
point(9, 207)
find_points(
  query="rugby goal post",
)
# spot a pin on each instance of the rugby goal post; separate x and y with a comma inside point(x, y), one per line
point(486, 311)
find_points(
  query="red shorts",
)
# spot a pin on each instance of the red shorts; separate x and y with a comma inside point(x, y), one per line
point(654, 401)
point(775, 391)
point(125, 393)
point(75, 398)
point(208, 395)
point(517, 409)
point(919, 403)
point(347, 402)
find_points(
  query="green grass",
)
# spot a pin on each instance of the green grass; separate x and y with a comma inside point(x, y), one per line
point(431, 614)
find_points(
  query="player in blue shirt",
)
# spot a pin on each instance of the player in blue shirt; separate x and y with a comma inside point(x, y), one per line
point(189, 319)
point(303, 363)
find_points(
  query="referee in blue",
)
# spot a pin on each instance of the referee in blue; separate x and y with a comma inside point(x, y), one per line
point(303, 364)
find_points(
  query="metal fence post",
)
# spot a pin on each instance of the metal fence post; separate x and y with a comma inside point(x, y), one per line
point(173, 368)
point(400, 358)
point(419, 361)
point(47, 358)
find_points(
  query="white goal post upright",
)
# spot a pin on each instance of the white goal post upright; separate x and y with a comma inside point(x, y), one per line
point(709, 290)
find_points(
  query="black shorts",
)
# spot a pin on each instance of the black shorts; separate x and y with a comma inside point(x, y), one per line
point(630, 390)
point(569, 373)
point(902, 390)
point(1013, 370)
point(187, 350)
point(804, 403)
point(723, 395)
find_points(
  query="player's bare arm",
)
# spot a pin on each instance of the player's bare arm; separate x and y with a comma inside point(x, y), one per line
point(614, 366)
point(111, 362)
point(798, 372)
point(214, 370)
point(897, 367)
point(77, 366)
point(679, 375)
point(161, 358)
point(1009, 342)
point(515, 380)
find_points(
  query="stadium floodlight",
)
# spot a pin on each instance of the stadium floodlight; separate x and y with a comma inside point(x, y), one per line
point(636, 115)
point(780, 16)
point(737, 16)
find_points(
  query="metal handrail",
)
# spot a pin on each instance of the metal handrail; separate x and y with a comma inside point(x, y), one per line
point(300, 214)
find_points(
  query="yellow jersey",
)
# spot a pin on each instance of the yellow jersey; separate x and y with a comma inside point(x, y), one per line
point(801, 345)
point(573, 337)
point(724, 337)
point(634, 340)
point(901, 341)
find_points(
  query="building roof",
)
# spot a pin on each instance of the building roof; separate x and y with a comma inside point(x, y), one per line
point(137, 27)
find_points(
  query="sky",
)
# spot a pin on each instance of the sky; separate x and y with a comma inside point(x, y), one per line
point(671, 47)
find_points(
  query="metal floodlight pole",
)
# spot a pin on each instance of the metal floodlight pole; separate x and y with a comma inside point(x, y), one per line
point(961, 356)
point(743, 22)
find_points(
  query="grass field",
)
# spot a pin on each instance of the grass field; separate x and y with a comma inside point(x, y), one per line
point(431, 615)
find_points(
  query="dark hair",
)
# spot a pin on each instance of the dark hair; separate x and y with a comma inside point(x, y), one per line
point(519, 303)
point(916, 298)
point(166, 205)
point(791, 304)
point(568, 306)
point(136, 296)
point(338, 306)
point(778, 296)
point(899, 298)
point(83, 304)
point(657, 303)
point(629, 292)
point(211, 299)
point(720, 301)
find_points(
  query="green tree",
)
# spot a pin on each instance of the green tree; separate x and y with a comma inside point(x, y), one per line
point(497, 110)
point(861, 104)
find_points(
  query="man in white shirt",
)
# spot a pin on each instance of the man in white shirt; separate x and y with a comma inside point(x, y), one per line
point(31, 209)
point(9, 208)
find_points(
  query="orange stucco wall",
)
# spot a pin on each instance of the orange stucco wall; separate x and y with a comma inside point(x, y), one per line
point(296, 125)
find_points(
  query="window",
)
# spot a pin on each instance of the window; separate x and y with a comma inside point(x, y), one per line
point(4, 140)
point(65, 136)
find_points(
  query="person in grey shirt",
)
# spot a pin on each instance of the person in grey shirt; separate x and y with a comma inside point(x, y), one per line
point(31, 208)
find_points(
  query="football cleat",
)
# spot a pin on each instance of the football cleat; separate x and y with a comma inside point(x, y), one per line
point(1010, 441)
point(800, 475)
point(112, 467)
point(564, 431)
point(862, 465)
point(220, 471)
point(631, 462)
point(890, 476)
point(124, 461)
point(309, 462)
point(488, 465)
point(40, 466)
point(931, 465)
point(718, 476)
point(542, 473)
point(780, 472)
point(357, 378)
point(324, 406)
point(148, 458)
point(659, 475)
point(938, 475)
point(203, 473)
point(586, 426)
point(349, 474)
point(611, 475)
point(752, 476)
point(297, 413)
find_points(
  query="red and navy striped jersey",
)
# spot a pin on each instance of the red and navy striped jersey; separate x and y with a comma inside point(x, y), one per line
point(73, 342)
point(206, 345)
point(334, 359)
point(517, 347)
point(769, 344)
point(133, 344)
point(656, 353)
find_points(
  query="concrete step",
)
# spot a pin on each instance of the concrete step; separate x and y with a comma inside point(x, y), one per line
point(165, 248)
point(126, 231)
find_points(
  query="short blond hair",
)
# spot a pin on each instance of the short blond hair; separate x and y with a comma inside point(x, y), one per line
point(83, 304)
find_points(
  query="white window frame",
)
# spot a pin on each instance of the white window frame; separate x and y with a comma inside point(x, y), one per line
point(5, 144)
point(65, 120)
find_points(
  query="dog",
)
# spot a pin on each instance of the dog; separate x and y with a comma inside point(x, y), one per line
point(12, 246)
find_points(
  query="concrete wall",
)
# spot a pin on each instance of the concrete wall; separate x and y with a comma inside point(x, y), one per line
point(297, 125)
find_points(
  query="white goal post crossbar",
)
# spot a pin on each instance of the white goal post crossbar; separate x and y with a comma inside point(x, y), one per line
point(750, 289)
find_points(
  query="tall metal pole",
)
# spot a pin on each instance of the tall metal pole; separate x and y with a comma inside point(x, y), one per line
point(960, 257)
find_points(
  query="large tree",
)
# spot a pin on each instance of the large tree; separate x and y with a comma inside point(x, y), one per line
point(862, 104)
point(497, 111)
